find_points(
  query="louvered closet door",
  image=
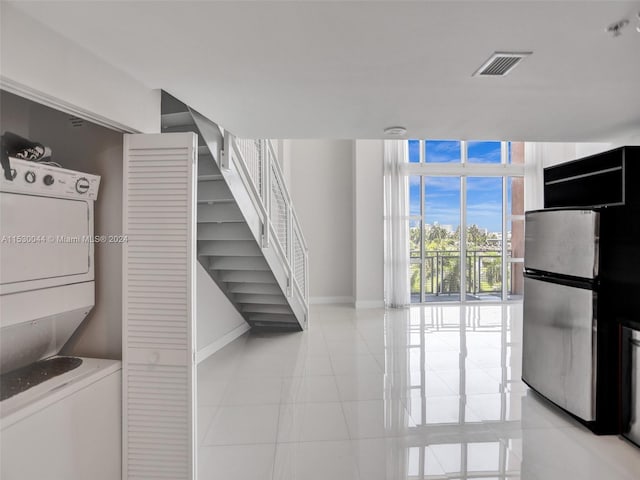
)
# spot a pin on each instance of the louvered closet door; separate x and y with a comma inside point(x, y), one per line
point(159, 205)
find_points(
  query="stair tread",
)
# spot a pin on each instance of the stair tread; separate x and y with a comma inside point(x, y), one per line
point(170, 120)
point(217, 248)
point(255, 288)
point(272, 316)
point(224, 231)
point(246, 276)
point(263, 308)
point(214, 191)
point(245, 298)
point(238, 263)
point(271, 326)
point(219, 213)
point(208, 178)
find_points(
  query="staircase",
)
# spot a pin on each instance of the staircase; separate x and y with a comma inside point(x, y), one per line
point(248, 236)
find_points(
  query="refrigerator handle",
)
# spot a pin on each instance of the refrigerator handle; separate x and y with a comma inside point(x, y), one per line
point(584, 283)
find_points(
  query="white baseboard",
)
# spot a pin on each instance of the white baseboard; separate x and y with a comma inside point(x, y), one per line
point(369, 304)
point(327, 300)
point(223, 341)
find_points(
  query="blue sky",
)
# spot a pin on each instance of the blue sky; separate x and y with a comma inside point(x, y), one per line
point(442, 194)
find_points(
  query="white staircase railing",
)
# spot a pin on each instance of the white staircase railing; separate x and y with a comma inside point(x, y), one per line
point(257, 160)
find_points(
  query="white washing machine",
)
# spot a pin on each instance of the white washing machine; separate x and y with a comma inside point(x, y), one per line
point(59, 416)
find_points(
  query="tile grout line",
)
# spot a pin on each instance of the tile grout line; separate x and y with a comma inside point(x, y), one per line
point(346, 423)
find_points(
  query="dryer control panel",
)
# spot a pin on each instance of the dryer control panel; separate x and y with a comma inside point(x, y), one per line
point(38, 178)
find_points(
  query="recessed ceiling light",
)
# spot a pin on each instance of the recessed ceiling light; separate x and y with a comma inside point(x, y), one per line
point(395, 131)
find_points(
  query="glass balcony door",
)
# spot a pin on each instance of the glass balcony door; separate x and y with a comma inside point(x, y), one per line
point(484, 237)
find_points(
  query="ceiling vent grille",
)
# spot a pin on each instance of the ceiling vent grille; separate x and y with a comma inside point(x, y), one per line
point(76, 121)
point(500, 64)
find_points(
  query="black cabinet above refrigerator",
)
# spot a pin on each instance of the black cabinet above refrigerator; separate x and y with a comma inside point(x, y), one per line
point(605, 179)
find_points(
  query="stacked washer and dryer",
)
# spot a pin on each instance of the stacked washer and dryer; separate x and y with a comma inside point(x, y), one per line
point(59, 416)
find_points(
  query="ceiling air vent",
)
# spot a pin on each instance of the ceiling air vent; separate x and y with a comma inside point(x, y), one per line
point(76, 121)
point(500, 64)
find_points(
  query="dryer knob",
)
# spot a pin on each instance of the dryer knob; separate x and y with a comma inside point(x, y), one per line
point(82, 185)
point(48, 180)
point(30, 176)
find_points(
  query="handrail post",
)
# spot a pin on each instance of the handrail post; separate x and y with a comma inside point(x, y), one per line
point(306, 277)
point(266, 197)
point(225, 153)
point(290, 245)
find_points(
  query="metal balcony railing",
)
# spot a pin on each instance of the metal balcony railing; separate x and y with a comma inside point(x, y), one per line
point(441, 272)
point(269, 193)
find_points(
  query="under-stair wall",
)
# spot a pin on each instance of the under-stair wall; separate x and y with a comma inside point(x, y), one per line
point(211, 305)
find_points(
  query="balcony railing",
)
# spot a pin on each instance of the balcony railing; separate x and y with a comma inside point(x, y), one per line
point(268, 191)
point(441, 273)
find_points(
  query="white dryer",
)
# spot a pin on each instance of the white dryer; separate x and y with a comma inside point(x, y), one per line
point(46, 290)
point(46, 259)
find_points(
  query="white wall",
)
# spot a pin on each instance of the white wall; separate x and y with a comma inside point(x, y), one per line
point(321, 188)
point(34, 58)
point(217, 321)
point(337, 191)
point(97, 150)
point(368, 231)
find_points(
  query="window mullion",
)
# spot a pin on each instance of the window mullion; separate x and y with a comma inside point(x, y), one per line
point(422, 239)
point(463, 237)
point(504, 238)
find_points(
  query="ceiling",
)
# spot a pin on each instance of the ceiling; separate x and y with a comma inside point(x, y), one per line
point(350, 69)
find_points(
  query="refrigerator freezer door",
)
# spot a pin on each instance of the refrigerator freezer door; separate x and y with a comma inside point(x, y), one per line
point(563, 242)
point(559, 349)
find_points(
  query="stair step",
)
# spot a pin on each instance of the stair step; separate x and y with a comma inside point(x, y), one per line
point(271, 317)
point(219, 213)
point(203, 149)
point(171, 120)
point(245, 298)
point(209, 178)
point(275, 326)
point(224, 231)
point(262, 308)
point(187, 128)
point(207, 167)
point(257, 288)
point(244, 276)
point(239, 263)
point(214, 191)
point(234, 248)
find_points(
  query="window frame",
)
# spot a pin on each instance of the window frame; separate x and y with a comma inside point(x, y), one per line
point(463, 170)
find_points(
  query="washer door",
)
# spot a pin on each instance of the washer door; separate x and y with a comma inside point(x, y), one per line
point(45, 240)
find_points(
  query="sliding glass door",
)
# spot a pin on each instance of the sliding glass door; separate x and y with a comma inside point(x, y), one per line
point(484, 238)
point(434, 234)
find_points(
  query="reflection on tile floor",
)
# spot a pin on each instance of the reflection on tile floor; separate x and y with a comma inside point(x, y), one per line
point(430, 392)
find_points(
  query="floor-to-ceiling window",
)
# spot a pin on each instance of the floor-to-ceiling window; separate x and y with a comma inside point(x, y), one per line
point(466, 225)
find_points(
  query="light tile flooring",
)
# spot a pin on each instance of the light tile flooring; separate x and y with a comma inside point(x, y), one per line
point(430, 392)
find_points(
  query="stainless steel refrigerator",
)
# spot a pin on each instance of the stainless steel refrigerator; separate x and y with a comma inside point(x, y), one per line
point(568, 349)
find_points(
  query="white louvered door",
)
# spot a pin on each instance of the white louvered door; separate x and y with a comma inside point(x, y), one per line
point(159, 388)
